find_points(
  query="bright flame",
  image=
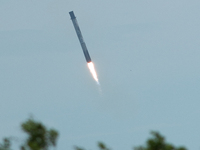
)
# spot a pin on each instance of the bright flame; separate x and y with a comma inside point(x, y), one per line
point(92, 70)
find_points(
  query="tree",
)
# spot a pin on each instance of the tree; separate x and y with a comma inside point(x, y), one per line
point(157, 142)
point(100, 145)
point(39, 137)
point(6, 144)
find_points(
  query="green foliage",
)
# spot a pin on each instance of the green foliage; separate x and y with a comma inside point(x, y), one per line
point(102, 146)
point(78, 148)
point(37, 134)
point(157, 142)
point(39, 138)
point(53, 136)
point(6, 144)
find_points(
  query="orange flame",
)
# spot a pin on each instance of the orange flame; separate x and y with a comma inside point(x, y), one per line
point(92, 70)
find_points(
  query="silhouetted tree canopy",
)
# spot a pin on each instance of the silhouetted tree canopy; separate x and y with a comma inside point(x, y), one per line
point(157, 142)
point(100, 145)
point(6, 144)
point(38, 137)
point(41, 138)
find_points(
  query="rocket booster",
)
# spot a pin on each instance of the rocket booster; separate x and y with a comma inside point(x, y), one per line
point(80, 37)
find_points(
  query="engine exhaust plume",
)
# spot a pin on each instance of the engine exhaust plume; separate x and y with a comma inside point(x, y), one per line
point(93, 72)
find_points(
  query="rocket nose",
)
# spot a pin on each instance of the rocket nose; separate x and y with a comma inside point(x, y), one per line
point(72, 15)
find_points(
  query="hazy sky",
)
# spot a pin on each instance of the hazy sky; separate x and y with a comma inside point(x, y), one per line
point(146, 54)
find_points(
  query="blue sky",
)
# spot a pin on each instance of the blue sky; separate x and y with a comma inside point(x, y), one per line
point(146, 54)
